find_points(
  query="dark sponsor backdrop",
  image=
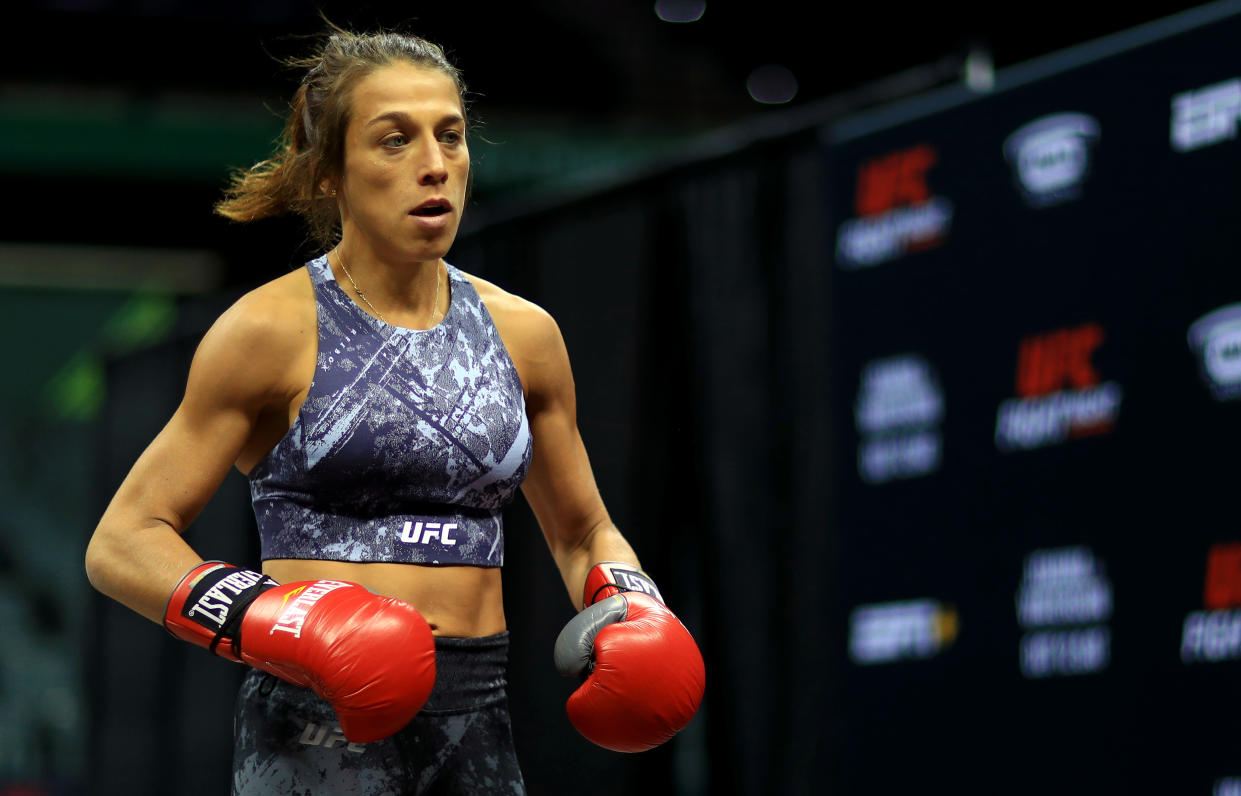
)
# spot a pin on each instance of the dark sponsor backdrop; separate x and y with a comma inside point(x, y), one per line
point(1076, 285)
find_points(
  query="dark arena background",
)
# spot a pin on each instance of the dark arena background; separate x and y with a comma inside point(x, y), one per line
point(907, 345)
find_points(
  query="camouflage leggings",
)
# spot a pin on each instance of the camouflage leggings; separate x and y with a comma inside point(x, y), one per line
point(289, 742)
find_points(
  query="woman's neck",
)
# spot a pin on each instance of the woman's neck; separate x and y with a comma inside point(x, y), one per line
point(411, 294)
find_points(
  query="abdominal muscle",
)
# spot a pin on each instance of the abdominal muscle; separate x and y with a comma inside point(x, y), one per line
point(455, 600)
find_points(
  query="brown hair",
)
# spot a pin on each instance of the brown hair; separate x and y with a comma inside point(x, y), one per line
point(312, 147)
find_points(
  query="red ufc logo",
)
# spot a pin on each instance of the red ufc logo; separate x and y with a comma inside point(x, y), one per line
point(1223, 586)
point(1052, 361)
point(895, 179)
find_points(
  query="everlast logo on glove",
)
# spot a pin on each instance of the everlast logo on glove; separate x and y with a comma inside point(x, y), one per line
point(371, 657)
point(215, 593)
point(634, 580)
point(292, 618)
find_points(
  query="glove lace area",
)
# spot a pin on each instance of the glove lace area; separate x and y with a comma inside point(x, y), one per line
point(231, 629)
point(619, 588)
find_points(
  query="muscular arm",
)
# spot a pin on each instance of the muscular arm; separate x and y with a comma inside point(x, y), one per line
point(643, 674)
point(560, 486)
point(136, 554)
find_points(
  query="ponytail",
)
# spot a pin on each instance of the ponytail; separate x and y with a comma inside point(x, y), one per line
point(287, 182)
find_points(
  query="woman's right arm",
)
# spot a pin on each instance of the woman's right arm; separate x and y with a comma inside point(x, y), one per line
point(240, 370)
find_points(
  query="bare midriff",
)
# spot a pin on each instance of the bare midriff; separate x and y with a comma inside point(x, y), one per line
point(455, 600)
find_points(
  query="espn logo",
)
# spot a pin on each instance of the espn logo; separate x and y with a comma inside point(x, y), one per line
point(903, 630)
point(1206, 116)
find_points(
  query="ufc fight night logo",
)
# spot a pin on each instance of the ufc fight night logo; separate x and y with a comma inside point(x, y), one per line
point(1213, 635)
point(896, 211)
point(1060, 393)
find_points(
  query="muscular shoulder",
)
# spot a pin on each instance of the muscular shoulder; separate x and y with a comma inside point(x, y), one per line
point(515, 316)
point(531, 335)
point(254, 349)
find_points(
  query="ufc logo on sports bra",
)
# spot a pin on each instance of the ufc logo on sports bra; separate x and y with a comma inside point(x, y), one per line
point(422, 532)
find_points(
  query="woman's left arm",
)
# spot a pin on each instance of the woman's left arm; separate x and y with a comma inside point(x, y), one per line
point(560, 485)
point(642, 674)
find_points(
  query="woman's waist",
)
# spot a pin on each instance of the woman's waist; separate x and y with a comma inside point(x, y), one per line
point(469, 675)
point(457, 601)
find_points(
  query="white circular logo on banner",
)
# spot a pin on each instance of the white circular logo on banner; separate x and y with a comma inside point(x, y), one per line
point(1051, 156)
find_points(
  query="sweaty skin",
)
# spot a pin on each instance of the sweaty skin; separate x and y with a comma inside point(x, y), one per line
point(405, 146)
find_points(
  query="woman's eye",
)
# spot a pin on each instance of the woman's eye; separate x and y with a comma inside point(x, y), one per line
point(452, 137)
point(395, 140)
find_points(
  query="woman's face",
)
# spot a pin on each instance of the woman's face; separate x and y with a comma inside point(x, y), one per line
point(406, 164)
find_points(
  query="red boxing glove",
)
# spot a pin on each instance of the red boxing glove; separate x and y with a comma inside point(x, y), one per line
point(371, 657)
point(644, 675)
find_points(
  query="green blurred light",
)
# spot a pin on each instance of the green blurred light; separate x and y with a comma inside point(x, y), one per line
point(143, 320)
point(76, 391)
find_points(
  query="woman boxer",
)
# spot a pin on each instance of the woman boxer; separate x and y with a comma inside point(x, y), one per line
point(385, 407)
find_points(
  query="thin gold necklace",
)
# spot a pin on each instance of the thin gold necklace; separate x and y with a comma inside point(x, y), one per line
point(434, 306)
